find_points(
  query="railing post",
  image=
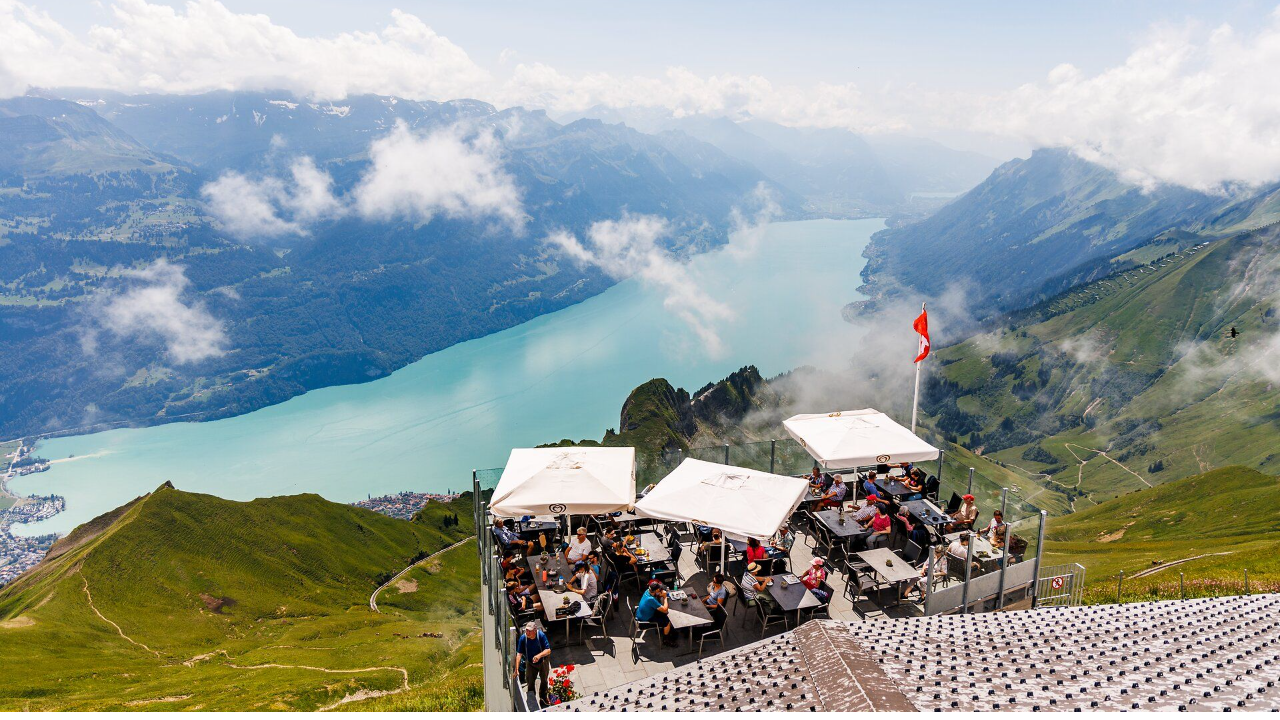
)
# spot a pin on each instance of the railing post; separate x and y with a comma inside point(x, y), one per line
point(970, 489)
point(726, 453)
point(1035, 574)
point(941, 454)
point(968, 569)
point(1182, 588)
point(1120, 587)
point(1246, 581)
point(773, 452)
point(1004, 550)
point(928, 579)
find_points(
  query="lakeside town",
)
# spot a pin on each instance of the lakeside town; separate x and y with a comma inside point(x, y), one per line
point(19, 554)
point(404, 505)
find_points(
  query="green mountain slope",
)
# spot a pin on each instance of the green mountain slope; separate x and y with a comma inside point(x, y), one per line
point(1128, 382)
point(1213, 526)
point(184, 601)
point(40, 137)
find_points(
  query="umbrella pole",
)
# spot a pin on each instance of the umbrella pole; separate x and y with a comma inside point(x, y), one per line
point(722, 562)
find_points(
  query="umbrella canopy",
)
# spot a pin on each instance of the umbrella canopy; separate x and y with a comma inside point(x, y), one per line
point(566, 481)
point(742, 502)
point(857, 438)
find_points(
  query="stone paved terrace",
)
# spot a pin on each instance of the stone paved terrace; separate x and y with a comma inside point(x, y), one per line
point(1202, 654)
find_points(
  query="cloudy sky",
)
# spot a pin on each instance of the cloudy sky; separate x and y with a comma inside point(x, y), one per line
point(1164, 92)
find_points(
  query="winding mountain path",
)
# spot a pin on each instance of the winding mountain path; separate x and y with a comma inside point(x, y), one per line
point(373, 599)
point(104, 619)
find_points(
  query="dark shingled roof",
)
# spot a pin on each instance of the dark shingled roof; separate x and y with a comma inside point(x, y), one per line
point(1202, 654)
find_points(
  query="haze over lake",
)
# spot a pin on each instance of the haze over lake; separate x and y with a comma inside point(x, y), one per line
point(426, 426)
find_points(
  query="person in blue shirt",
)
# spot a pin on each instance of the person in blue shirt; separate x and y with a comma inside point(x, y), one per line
point(869, 485)
point(534, 649)
point(653, 608)
point(508, 539)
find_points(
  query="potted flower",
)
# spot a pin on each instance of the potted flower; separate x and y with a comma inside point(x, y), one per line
point(562, 685)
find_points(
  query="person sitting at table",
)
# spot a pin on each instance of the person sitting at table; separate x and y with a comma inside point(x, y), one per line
point(814, 577)
point(815, 477)
point(717, 596)
point(522, 597)
point(959, 549)
point(583, 582)
point(712, 541)
point(914, 482)
point(939, 571)
point(997, 522)
point(593, 564)
point(880, 526)
point(835, 495)
point(507, 538)
point(755, 552)
point(704, 531)
point(512, 569)
point(867, 510)
point(578, 547)
point(780, 544)
point(653, 608)
point(869, 484)
point(621, 557)
point(964, 515)
point(753, 583)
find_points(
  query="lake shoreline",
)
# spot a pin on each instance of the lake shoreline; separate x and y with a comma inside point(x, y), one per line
point(426, 425)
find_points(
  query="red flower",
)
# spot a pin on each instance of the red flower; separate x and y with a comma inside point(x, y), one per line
point(568, 668)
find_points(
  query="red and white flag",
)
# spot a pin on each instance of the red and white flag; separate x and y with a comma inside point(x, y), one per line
point(921, 326)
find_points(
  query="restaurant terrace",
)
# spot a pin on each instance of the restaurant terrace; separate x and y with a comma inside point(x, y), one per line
point(847, 519)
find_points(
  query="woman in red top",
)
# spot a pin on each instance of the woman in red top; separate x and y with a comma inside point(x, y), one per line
point(880, 526)
point(755, 551)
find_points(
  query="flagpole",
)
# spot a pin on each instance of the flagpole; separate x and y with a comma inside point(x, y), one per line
point(915, 402)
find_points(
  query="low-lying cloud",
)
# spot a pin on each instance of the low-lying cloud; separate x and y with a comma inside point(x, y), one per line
point(415, 176)
point(630, 247)
point(151, 308)
point(449, 171)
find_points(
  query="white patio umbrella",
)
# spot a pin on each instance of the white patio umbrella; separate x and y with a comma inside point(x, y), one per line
point(857, 438)
point(566, 481)
point(742, 502)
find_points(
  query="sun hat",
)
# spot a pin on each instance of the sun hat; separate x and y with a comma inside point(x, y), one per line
point(753, 568)
point(816, 562)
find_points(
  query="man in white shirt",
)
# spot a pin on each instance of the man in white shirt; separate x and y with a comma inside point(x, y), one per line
point(579, 547)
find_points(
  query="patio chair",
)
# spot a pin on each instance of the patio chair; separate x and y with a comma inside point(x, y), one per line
point(954, 503)
point(638, 629)
point(853, 592)
point(770, 614)
point(911, 553)
point(599, 615)
point(718, 634)
point(932, 487)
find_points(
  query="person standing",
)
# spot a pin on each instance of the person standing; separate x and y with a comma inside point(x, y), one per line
point(534, 650)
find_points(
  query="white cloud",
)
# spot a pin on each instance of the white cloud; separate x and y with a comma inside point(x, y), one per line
point(268, 207)
point(151, 308)
point(446, 171)
point(1190, 107)
point(747, 226)
point(630, 247)
point(1193, 109)
point(205, 46)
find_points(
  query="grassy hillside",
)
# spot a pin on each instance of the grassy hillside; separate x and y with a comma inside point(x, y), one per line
point(1213, 525)
point(186, 601)
point(1128, 382)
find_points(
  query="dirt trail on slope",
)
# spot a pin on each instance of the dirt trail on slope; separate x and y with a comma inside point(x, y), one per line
point(95, 610)
point(373, 599)
point(1165, 566)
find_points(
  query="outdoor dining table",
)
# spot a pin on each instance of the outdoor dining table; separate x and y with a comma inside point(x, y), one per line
point(848, 529)
point(794, 597)
point(524, 527)
point(890, 566)
point(926, 512)
point(893, 488)
point(656, 550)
point(551, 598)
point(692, 614)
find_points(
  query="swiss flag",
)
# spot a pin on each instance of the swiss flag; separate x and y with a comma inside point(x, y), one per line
point(921, 326)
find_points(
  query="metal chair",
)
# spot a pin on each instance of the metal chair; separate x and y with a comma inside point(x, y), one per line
point(911, 553)
point(853, 592)
point(638, 629)
point(718, 634)
point(599, 615)
point(770, 614)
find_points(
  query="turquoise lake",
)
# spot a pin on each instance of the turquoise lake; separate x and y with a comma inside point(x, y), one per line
point(426, 426)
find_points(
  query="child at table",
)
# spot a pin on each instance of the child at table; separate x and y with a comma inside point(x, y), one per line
point(814, 577)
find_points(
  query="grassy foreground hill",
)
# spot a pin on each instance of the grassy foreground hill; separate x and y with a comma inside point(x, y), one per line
point(1211, 527)
point(187, 601)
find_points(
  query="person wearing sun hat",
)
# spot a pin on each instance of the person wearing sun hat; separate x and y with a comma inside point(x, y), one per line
point(965, 515)
point(814, 577)
point(753, 583)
